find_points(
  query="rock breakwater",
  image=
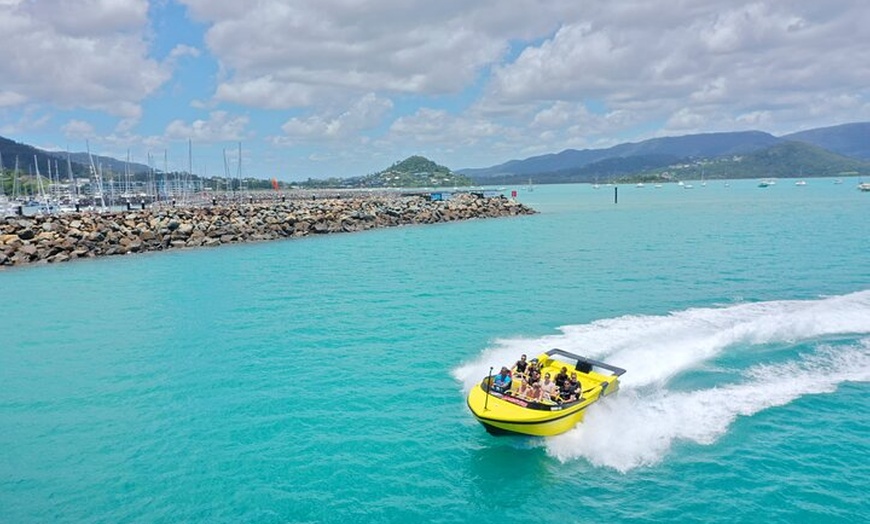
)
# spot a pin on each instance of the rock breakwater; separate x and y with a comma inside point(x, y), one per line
point(64, 237)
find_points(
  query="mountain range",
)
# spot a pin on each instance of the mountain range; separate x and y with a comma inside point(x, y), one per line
point(827, 151)
point(29, 158)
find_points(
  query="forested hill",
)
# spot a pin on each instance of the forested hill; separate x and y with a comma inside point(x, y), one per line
point(414, 171)
point(24, 155)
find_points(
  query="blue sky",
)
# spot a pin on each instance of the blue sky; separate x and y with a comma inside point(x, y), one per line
point(320, 88)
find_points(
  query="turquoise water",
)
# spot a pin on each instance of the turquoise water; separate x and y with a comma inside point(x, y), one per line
point(323, 379)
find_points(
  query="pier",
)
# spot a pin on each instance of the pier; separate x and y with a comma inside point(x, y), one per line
point(52, 238)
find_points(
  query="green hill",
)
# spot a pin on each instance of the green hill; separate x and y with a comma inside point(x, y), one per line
point(414, 171)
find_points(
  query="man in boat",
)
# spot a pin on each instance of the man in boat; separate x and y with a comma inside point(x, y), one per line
point(501, 383)
point(570, 389)
point(521, 365)
point(561, 377)
point(534, 371)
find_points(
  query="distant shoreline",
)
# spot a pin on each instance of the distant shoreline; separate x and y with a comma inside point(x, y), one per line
point(63, 237)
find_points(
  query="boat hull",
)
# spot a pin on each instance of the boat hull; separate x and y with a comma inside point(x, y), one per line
point(545, 428)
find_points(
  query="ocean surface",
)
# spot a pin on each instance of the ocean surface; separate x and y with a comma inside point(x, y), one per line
point(323, 379)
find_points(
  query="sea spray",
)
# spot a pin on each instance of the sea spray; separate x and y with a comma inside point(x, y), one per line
point(654, 348)
point(637, 429)
point(639, 426)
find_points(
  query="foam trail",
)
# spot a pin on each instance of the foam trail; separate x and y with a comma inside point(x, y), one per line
point(654, 348)
point(633, 430)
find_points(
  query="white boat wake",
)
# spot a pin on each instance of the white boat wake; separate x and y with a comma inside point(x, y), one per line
point(639, 426)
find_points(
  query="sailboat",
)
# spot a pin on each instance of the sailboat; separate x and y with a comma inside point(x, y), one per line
point(801, 175)
point(531, 186)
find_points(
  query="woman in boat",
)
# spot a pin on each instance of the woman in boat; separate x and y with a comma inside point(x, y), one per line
point(532, 379)
point(535, 391)
point(533, 372)
point(548, 388)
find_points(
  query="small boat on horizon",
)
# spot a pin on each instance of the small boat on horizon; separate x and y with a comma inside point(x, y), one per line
point(801, 183)
point(508, 411)
point(766, 182)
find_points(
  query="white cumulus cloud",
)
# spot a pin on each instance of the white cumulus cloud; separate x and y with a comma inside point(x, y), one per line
point(274, 53)
point(220, 126)
point(79, 54)
point(363, 114)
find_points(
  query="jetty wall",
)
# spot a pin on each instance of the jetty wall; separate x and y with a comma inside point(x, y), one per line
point(70, 236)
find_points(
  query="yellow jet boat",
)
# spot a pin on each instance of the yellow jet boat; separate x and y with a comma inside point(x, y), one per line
point(508, 412)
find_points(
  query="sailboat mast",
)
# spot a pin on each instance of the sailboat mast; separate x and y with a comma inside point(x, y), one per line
point(39, 188)
point(15, 182)
point(189, 166)
point(227, 177)
point(98, 177)
point(127, 176)
point(74, 188)
point(152, 181)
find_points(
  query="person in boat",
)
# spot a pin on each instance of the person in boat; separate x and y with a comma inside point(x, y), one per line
point(532, 379)
point(548, 389)
point(576, 383)
point(501, 383)
point(521, 365)
point(570, 390)
point(561, 377)
point(533, 372)
point(535, 391)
